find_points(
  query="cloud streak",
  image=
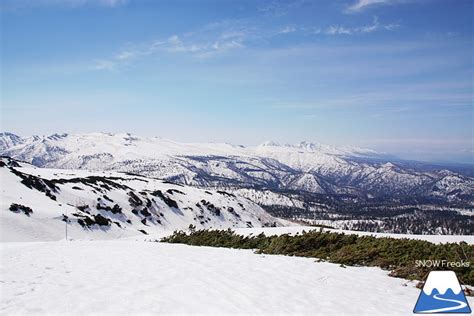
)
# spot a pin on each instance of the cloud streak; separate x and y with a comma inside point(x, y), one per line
point(173, 45)
point(341, 30)
point(362, 5)
point(224, 36)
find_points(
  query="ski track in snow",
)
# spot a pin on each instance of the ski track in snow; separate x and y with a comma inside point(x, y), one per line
point(111, 277)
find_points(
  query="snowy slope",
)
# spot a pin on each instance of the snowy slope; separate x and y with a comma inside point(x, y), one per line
point(110, 205)
point(117, 277)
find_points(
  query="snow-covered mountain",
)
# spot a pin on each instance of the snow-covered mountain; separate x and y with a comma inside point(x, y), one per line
point(347, 172)
point(35, 202)
point(8, 140)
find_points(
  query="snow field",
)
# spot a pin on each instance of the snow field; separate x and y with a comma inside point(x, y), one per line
point(118, 277)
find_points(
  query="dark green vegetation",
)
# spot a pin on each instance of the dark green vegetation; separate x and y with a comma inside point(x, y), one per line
point(34, 182)
point(18, 208)
point(376, 217)
point(397, 255)
point(169, 201)
point(98, 219)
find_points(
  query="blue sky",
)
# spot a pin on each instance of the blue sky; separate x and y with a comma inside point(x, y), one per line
point(392, 75)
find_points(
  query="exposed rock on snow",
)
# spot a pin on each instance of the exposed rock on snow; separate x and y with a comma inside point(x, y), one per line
point(110, 205)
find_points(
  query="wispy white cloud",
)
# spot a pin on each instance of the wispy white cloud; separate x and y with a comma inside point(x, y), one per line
point(124, 55)
point(338, 29)
point(224, 36)
point(174, 44)
point(362, 5)
point(376, 25)
point(287, 29)
point(177, 44)
point(105, 65)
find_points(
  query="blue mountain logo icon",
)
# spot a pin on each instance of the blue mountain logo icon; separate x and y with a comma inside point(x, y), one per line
point(442, 293)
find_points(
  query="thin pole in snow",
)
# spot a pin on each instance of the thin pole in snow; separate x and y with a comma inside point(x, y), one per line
point(65, 221)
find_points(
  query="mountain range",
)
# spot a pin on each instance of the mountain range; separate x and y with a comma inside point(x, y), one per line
point(309, 167)
point(314, 180)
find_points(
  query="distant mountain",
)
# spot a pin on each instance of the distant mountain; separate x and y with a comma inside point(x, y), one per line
point(8, 140)
point(341, 172)
point(35, 202)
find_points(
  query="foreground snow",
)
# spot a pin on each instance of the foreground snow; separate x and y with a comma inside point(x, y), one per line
point(138, 277)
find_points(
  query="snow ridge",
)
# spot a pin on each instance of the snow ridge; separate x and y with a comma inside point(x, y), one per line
point(36, 202)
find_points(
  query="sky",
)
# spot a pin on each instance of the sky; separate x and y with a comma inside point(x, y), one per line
point(392, 75)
